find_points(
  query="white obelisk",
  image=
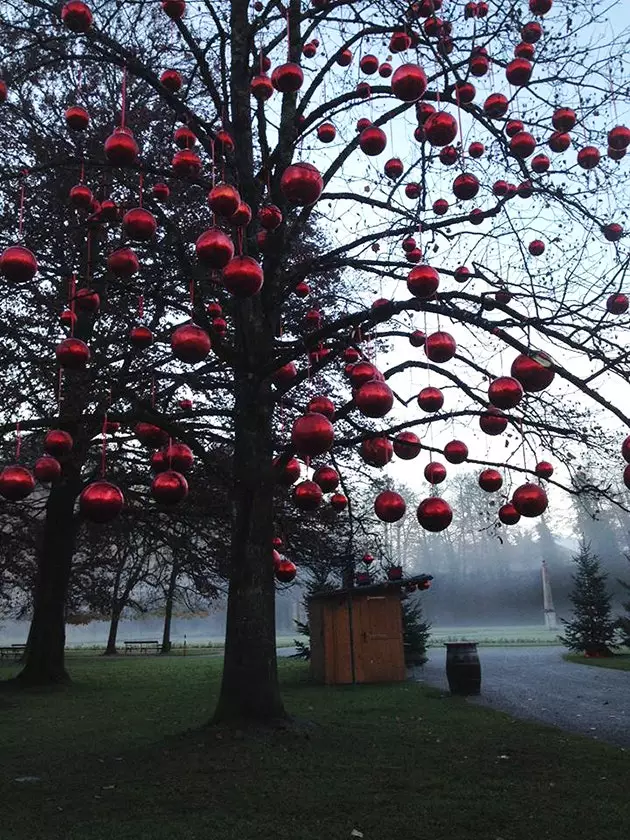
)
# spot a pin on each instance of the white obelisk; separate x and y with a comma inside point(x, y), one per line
point(550, 613)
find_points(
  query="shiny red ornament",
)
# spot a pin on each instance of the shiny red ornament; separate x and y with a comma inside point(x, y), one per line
point(423, 111)
point(456, 452)
point(461, 274)
point(261, 87)
point(161, 192)
point(612, 232)
point(224, 141)
point(407, 445)
point(399, 42)
point(409, 82)
point(530, 500)
point(440, 128)
point(175, 9)
point(615, 154)
point(535, 372)
point(559, 142)
point(179, 456)
point(219, 325)
point(479, 65)
point(18, 264)
point(326, 132)
point(285, 571)
point(617, 304)
point(101, 502)
point(284, 375)
point(287, 78)
point(519, 72)
point(150, 435)
point(372, 140)
point(540, 163)
point(344, 57)
point(312, 434)
point(513, 127)
point(121, 148)
point(214, 248)
point(224, 200)
point(465, 186)
point(493, 422)
point(186, 164)
point(564, 119)
point(47, 469)
point(289, 473)
point(500, 188)
point(301, 184)
point(544, 469)
point(448, 155)
point(490, 480)
point(327, 478)
point(307, 495)
point(531, 33)
point(434, 514)
point(139, 224)
point(190, 343)
point(385, 70)
point(540, 7)
point(308, 50)
point(434, 472)
point(368, 64)
point(522, 145)
point(496, 105)
point(525, 50)
point(505, 392)
point(58, 443)
point(394, 168)
point(338, 502)
point(87, 300)
point(389, 506)
point(377, 452)
point(77, 16)
point(440, 347)
point(464, 92)
point(16, 483)
point(476, 216)
point(108, 211)
point(440, 206)
point(412, 190)
point(430, 399)
point(374, 399)
point(351, 354)
point(619, 137)
point(503, 296)
point(588, 157)
point(476, 150)
point(322, 405)
point(414, 256)
point(68, 318)
point(141, 337)
point(361, 373)
point(77, 118)
point(184, 138)
point(169, 487)
point(72, 353)
point(423, 281)
point(270, 217)
point(536, 247)
point(508, 514)
point(171, 80)
point(123, 262)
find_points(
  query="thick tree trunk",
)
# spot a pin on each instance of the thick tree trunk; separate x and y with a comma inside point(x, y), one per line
point(168, 609)
point(111, 650)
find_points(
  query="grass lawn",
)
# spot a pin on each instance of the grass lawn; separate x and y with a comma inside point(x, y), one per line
point(618, 661)
point(122, 754)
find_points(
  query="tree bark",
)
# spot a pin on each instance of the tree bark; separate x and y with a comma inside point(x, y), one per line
point(168, 608)
point(111, 650)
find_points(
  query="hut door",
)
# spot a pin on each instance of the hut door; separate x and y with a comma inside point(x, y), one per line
point(380, 640)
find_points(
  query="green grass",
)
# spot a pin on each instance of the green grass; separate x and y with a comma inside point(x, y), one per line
point(618, 662)
point(507, 635)
point(123, 754)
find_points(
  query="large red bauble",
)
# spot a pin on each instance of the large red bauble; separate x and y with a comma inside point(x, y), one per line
point(465, 186)
point(535, 372)
point(508, 514)
point(72, 353)
point(522, 144)
point(540, 7)
point(121, 148)
point(190, 343)
point(150, 435)
point(169, 487)
point(588, 157)
point(407, 445)
point(389, 506)
point(372, 140)
point(423, 281)
point(243, 276)
point(377, 451)
point(493, 421)
point(289, 473)
point(76, 16)
point(530, 500)
point(214, 248)
point(47, 469)
point(544, 469)
point(434, 514)
point(626, 476)
point(186, 164)
point(171, 80)
point(374, 398)
point(361, 373)
point(434, 472)
point(287, 78)
point(58, 443)
point(270, 217)
point(322, 405)
point(496, 105)
point(312, 434)
point(101, 501)
point(505, 392)
point(564, 119)
point(456, 452)
point(139, 224)
point(612, 232)
point(394, 168)
point(285, 571)
point(81, 197)
point(77, 118)
point(224, 200)
point(619, 137)
point(430, 399)
point(307, 495)
point(301, 184)
point(123, 262)
point(338, 502)
point(409, 82)
point(440, 129)
point(175, 9)
point(617, 304)
point(141, 337)
point(327, 478)
point(519, 72)
point(440, 347)
point(18, 264)
point(490, 480)
point(16, 483)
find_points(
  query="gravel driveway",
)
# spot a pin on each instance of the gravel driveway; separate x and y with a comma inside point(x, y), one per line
point(535, 683)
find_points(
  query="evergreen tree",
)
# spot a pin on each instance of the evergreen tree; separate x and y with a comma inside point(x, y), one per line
point(592, 629)
point(623, 622)
point(416, 631)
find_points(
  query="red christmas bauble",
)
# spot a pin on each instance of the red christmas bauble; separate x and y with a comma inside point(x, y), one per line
point(385, 70)
point(224, 141)
point(18, 264)
point(139, 224)
point(389, 506)
point(301, 184)
point(536, 247)
point(412, 190)
point(171, 80)
point(464, 92)
point(288, 474)
point(409, 82)
point(374, 398)
point(399, 42)
point(159, 462)
point(87, 300)
point(285, 571)
point(344, 57)
point(338, 502)
point(121, 148)
point(169, 487)
point(186, 164)
point(619, 137)
point(141, 337)
point(617, 304)
point(588, 157)
point(496, 106)
point(531, 33)
point(372, 140)
point(175, 9)
point(559, 142)
point(461, 274)
point(508, 514)
point(123, 262)
point(219, 325)
point(476, 150)
point(434, 514)
point(261, 87)
point(101, 501)
point(377, 451)
point(490, 480)
point(434, 472)
point(161, 192)
point(456, 452)
point(47, 469)
point(612, 232)
point(430, 399)
point(440, 347)
point(530, 500)
point(68, 318)
point(312, 434)
point(513, 127)
point(243, 215)
point(81, 197)
point(270, 217)
point(493, 421)
point(407, 445)
point(500, 188)
point(77, 16)
point(184, 138)
point(367, 559)
point(465, 186)
point(540, 163)
point(190, 343)
point(417, 338)
point(16, 483)
point(408, 244)
point(287, 78)
point(108, 211)
point(327, 478)
point(394, 168)
point(540, 7)
point(522, 145)
point(505, 392)
point(322, 405)
point(564, 119)
point(544, 469)
point(224, 200)
point(150, 435)
point(479, 65)
point(307, 495)
point(72, 353)
point(361, 373)
point(58, 443)
point(525, 50)
point(180, 457)
point(440, 128)
point(519, 72)
point(77, 118)
point(214, 248)
point(326, 132)
point(414, 256)
point(535, 372)
point(423, 281)
point(243, 276)
point(368, 64)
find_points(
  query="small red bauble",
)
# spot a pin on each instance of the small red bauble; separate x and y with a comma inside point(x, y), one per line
point(461, 274)
point(476, 150)
point(361, 373)
point(619, 137)
point(508, 514)
point(270, 217)
point(417, 338)
point(440, 347)
point(456, 452)
point(530, 500)
point(490, 480)
point(72, 353)
point(513, 127)
point(479, 65)
point(399, 42)
point(150, 435)
point(465, 186)
point(58, 443)
point(503, 296)
point(18, 264)
point(535, 372)
point(368, 64)
point(224, 200)
point(372, 140)
point(121, 148)
point(377, 451)
point(261, 87)
point(536, 247)
point(190, 343)
point(617, 304)
point(158, 462)
point(16, 483)
point(540, 7)
point(77, 118)
point(308, 50)
point(243, 276)
point(141, 337)
point(327, 478)
point(47, 469)
point(440, 206)
point(312, 434)
point(76, 16)
point(214, 249)
point(186, 164)
point(564, 119)
point(139, 224)
point(505, 392)
point(123, 262)
point(522, 145)
point(559, 142)
point(169, 487)
point(322, 405)
point(374, 398)
point(180, 457)
point(407, 445)
point(525, 50)
point(161, 192)
point(352, 355)
point(588, 157)
point(519, 72)
point(409, 82)
point(108, 211)
point(612, 232)
point(412, 190)
point(307, 495)
point(500, 188)
point(289, 473)
point(171, 80)
point(476, 216)
point(184, 138)
point(326, 132)
point(440, 129)
point(394, 168)
point(423, 281)
point(434, 472)
point(414, 256)
point(389, 506)
point(338, 502)
point(531, 33)
point(493, 422)
point(68, 318)
point(344, 57)
point(430, 399)
point(87, 300)
point(385, 70)
point(224, 141)
point(186, 404)
point(286, 570)
point(175, 9)
point(287, 78)
point(101, 502)
point(544, 469)
point(301, 184)
point(434, 514)
point(496, 105)
point(219, 325)
point(465, 92)
point(540, 163)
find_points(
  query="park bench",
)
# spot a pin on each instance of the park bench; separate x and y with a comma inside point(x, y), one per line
point(12, 651)
point(141, 645)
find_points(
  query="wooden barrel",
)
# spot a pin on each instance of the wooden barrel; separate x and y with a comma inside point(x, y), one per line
point(463, 669)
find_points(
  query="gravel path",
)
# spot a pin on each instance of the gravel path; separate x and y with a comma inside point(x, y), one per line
point(535, 683)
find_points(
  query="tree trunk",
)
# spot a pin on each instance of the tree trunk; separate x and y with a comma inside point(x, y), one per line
point(110, 650)
point(168, 609)
point(44, 661)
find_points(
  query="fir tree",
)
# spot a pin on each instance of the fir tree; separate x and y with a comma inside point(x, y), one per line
point(623, 622)
point(592, 629)
point(416, 631)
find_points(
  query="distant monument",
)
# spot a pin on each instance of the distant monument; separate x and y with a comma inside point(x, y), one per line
point(550, 613)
